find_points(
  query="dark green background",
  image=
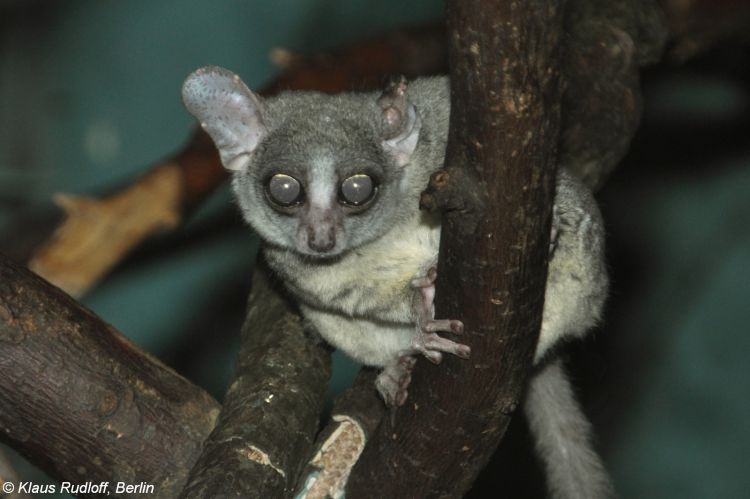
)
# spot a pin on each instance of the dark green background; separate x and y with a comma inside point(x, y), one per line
point(90, 94)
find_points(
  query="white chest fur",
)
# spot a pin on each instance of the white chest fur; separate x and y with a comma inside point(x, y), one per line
point(372, 282)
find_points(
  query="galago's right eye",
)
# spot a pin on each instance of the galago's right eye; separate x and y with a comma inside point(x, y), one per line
point(285, 190)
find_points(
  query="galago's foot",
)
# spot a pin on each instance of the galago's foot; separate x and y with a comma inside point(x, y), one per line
point(393, 381)
point(433, 346)
point(426, 341)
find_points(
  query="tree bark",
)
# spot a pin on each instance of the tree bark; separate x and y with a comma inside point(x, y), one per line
point(82, 402)
point(271, 410)
point(496, 190)
point(355, 417)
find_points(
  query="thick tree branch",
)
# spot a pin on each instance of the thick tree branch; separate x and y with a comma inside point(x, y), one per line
point(83, 403)
point(272, 408)
point(498, 187)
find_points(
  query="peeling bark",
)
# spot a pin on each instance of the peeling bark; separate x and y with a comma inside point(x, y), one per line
point(354, 419)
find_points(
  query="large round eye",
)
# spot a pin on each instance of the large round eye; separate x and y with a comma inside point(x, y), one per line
point(357, 189)
point(285, 190)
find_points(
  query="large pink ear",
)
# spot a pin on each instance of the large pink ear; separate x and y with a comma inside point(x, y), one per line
point(228, 111)
point(401, 120)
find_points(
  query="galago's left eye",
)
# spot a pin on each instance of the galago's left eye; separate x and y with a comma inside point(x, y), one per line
point(285, 190)
point(357, 190)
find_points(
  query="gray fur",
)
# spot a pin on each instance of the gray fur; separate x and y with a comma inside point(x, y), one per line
point(563, 437)
point(359, 294)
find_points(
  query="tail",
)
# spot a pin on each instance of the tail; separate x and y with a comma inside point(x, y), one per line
point(563, 438)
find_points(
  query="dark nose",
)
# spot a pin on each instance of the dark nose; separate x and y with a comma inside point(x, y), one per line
point(321, 240)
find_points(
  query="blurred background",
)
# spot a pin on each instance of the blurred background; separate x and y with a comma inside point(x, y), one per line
point(90, 95)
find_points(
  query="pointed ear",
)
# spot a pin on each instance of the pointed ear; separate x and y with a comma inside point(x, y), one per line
point(228, 111)
point(402, 123)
